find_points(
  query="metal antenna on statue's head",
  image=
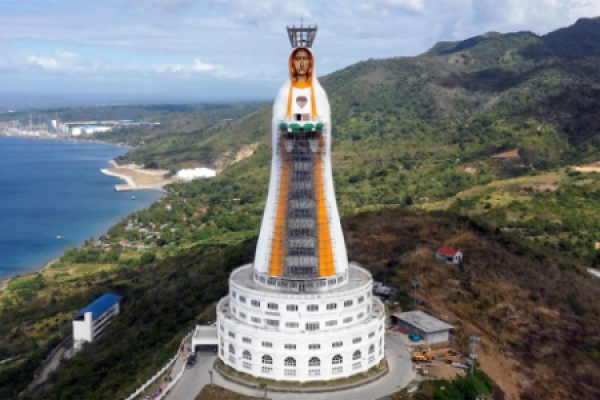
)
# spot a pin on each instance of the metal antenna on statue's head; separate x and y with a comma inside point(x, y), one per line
point(302, 35)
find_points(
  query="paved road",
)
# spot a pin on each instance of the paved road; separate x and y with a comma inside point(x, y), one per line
point(399, 376)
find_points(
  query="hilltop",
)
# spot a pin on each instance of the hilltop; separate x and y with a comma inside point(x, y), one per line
point(484, 134)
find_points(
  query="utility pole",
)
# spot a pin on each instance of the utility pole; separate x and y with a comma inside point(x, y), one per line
point(473, 343)
point(415, 285)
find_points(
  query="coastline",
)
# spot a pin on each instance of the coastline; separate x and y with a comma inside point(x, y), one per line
point(40, 268)
point(4, 282)
point(136, 177)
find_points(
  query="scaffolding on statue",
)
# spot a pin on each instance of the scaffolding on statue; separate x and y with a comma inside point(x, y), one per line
point(301, 247)
point(302, 35)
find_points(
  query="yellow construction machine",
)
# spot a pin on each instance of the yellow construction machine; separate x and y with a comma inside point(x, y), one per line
point(428, 354)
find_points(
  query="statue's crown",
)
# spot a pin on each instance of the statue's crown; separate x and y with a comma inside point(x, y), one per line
point(302, 35)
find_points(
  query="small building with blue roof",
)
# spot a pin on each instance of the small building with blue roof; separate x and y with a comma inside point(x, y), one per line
point(91, 320)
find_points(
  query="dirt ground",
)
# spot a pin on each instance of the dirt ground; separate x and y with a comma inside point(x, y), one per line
point(141, 177)
point(443, 371)
point(507, 154)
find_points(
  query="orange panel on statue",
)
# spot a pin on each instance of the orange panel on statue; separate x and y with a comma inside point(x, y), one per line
point(277, 261)
point(326, 267)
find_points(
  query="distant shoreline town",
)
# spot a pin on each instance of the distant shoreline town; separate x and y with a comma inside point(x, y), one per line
point(56, 129)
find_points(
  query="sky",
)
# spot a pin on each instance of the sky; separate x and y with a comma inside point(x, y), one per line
point(232, 49)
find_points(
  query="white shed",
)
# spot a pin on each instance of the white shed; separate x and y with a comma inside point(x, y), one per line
point(431, 329)
point(449, 256)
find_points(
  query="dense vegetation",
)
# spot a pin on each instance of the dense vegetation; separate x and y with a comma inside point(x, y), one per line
point(486, 129)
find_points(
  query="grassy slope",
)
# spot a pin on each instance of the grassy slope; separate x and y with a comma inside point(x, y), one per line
point(388, 148)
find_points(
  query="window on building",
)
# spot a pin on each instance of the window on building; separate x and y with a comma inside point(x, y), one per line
point(291, 325)
point(246, 355)
point(255, 303)
point(231, 349)
point(242, 315)
point(312, 326)
point(314, 346)
point(234, 294)
point(289, 362)
point(292, 307)
point(272, 322)
point(337, 344)
point(372, 349)
point(289, 372)
point(247, 365)
point(337, 359)
point(314, 372)
point(231, 359)
point(222, 328)
point(267, 344)
point(266, 370)
point(246, 340)
point(256, 320)
point(289, 346)
point(242, 299)
point(331, 306)
point(356, 355)
point(361, 299)
point(361, 315)
point(356, 365)
point(348, 303)
point(337, 370)
point(222, 352)
point(272, 306)
point(332, 322)
point(314, 362)
point(347, 320)
point(371, 334)
point(357, 340)
point(371, 359)
point(267, 359)
point(231, 334)
point(234, 310)
point(312, 307)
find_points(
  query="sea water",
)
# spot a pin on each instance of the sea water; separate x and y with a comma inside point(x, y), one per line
point(52, 188)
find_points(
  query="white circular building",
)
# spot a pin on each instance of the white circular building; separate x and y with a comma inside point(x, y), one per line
point(301, 311)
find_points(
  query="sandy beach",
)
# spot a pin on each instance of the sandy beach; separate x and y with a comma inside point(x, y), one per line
point(136, 177)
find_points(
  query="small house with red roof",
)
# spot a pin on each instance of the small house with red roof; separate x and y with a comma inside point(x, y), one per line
point(449, 256)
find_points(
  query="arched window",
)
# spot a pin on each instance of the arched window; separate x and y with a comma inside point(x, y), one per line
point(247, 356)
point(314, 362)
point(267, 359)
point(372, 349)
point(289, 362)
point(337, 359)
point(231, 349)
point(357, 355)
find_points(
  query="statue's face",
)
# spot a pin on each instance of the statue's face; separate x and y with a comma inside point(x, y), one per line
point(302, 65)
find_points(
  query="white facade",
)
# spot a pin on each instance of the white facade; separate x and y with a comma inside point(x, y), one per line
point(301, 311)
point(89, 323)
point(301, 337)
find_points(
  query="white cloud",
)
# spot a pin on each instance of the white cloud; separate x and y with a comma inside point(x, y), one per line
point(200, 66)
point(45, 62)
point(168, 41)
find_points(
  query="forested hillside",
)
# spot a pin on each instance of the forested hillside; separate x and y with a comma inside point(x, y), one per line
point(483, 136)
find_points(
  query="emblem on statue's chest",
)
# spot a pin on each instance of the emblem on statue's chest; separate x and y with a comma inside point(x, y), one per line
point(301, 101)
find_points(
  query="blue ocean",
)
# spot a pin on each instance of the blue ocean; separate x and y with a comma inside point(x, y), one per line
point(51, 188)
